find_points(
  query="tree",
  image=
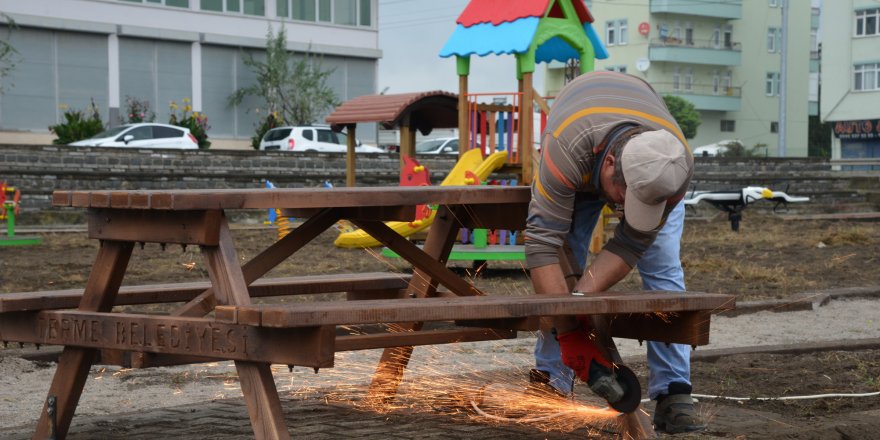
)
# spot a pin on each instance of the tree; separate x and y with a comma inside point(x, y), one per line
point(684, 113)
point(8, 54)
point(296, 90)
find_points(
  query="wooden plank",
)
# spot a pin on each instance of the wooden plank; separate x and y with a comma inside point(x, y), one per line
point(510, 216)
point(526, 129)
point(350, 158)
point(427, 337)
point(384, 213)
point(438, 245)
point(691, 328)
point(199, 337)
point(182, 292)
point(419, 259)
point(74, 364)
point(262, 198)
point(463, 111)
point(266, 260)
point(182, 227)
point(257, 385)
point(488, 307)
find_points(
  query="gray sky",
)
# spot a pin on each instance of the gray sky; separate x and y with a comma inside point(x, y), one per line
point(411, 34)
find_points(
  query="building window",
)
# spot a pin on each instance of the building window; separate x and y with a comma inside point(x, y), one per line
point(248, 7)
point(689, 34)
point(175, 3)
point(772, 84)
point(774, 127)
point(866, 77)
point(610, 33)
point(689, 79)
point(622, 37)
point(342, 12)
point(727, 83)
point(716, 82)
point(773, 3)
point(774, 40)
point(676, 79)
point(867, 22)
point(716, 37)
point(728, 126)
point(728, 37)
point(621, 68)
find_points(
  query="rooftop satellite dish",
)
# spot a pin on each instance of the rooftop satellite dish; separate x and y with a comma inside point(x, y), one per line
point(642, 64)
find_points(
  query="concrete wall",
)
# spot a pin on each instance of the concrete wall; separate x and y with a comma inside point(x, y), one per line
point(39, 170)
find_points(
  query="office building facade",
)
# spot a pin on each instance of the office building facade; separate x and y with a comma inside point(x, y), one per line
point(71, 52)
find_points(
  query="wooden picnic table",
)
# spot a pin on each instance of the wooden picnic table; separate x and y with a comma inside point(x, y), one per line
point(304, 334)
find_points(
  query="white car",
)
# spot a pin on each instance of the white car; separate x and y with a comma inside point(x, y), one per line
point(713, 150)
point(438, 146)
point(311, 138)
point(143, 135)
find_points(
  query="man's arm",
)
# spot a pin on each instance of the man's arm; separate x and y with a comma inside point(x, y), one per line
point(605, 271)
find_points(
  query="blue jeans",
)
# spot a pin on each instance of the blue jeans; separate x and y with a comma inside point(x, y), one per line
point(660, 269)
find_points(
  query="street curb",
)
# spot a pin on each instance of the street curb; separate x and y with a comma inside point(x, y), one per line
point(803, 301)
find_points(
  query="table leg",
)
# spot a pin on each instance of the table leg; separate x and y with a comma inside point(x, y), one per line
point(266, 260)
point(74, 363)
point(392, 364)
point(257, 384)
point(636, 424)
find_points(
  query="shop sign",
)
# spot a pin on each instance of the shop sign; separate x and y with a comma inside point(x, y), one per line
point(867, 129)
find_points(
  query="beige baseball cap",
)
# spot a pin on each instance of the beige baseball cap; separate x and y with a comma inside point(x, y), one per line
point(657, 168)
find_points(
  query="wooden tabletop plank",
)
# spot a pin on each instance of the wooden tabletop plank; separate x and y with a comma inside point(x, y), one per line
point(181, 292)
point(292, 197)
point(484, 307)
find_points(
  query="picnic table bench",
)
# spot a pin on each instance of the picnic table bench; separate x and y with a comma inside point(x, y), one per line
point(218, 319)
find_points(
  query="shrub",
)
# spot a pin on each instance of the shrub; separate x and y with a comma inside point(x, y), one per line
point(78, 125)
point(272, 120)
point(136, 111)
point(196, 122)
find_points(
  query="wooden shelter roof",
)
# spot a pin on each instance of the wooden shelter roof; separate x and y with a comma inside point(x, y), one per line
point(425, 111)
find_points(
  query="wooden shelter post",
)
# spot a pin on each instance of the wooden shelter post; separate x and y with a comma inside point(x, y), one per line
point(463, 65)
point(350, 156)
point(527, 128)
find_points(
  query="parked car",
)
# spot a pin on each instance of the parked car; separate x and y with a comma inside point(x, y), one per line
point(142, 135)
point(308, 138)
point(438, 146)
point(713, 150)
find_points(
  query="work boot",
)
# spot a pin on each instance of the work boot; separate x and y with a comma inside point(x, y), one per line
point(675, 413)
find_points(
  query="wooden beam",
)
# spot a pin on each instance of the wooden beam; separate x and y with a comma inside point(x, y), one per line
point(404, 213)
point(182, 292)
point(488, 307)
point(181, 227)
point(74, 364)
point(350, 155)
point(463, 115)
point(219, 199)
point(419, 259)
point(427, 337)
point(171, 335)
point(527, 129)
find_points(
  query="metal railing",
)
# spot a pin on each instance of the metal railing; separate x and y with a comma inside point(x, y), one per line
point(668, 88)
point(696, 44)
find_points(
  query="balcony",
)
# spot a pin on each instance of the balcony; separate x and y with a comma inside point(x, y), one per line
point(729, 9)
point(707, 52)
point(704, 97)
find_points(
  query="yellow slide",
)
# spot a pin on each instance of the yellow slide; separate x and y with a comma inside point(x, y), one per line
point(472, 160)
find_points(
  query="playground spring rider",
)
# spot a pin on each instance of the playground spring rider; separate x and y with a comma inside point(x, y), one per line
point(7, 205)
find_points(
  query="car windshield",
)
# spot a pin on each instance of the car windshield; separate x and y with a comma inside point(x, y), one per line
point(111, 132)
point(277, 134)
point(426, 146)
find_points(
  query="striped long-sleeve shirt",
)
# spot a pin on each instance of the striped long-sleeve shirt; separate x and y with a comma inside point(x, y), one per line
point(583, 115)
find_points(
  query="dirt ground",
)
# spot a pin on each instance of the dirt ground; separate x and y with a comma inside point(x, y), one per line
point(767, 259)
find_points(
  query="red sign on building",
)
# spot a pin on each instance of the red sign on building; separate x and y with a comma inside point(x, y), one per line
point(867, 129)
point(644, 28)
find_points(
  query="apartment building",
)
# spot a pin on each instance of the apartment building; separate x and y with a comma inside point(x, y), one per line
point(851, 77)
point(73, 51)
point(723, 56)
